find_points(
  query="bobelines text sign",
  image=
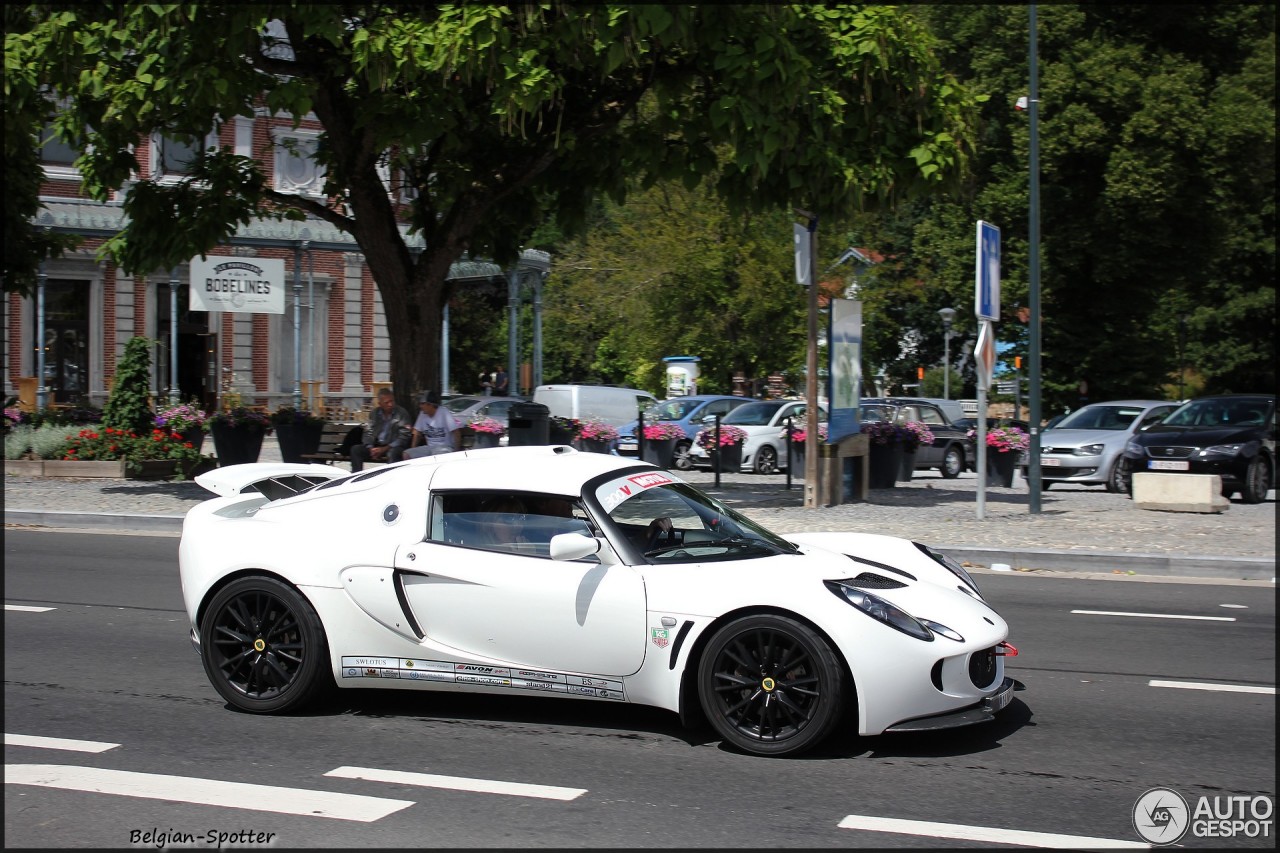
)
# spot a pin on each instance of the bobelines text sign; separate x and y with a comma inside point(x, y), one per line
point(244, 285)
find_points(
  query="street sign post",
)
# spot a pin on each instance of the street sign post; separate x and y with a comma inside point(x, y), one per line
point(987, 276)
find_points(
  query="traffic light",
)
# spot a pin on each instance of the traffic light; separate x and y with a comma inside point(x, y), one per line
point(919, 373)
point(1017, 362)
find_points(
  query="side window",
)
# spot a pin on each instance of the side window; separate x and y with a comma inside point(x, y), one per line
point(931, 416)
point(507, 522)
point(719, 407)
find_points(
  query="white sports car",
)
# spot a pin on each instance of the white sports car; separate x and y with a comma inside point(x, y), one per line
point(526, 570)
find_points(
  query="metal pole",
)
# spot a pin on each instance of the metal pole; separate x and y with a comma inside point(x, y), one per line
point(537, 330)
point(1033, 234)
point(946, 362)
point(444, 350)
point(811, 368)
point(513, 325)
point(172, 391)
point(297, 326)
point(790, 456)
point(42, 391)
point(715, 459)
point(311, 323)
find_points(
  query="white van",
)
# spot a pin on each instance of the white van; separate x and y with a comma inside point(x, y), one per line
point(614, 406)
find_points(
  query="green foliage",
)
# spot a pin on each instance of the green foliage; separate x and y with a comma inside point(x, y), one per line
point(107, 444)
point(129, 407)
point(41, 441)
point(289, 416)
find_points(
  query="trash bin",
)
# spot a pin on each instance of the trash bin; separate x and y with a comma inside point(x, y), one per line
point(528, 424)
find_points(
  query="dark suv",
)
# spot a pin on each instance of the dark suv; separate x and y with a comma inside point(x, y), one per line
point(1233, 436)
point(952, 450)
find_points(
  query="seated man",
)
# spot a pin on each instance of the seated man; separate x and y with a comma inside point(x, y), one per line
point(387, 435)
point(435, 431)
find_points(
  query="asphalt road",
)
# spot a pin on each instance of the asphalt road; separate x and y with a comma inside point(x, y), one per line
point(110, 663)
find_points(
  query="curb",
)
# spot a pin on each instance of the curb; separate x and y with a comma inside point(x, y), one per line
point(1236, 568)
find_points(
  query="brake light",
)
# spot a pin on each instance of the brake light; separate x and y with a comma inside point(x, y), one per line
point(1006, 650)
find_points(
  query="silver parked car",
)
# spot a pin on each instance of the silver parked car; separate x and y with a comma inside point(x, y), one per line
point(1087, 446)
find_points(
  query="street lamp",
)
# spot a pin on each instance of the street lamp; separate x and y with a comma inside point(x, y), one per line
point(947, 315)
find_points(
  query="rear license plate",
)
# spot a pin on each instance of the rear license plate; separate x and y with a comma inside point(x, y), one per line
point(1168, 465)
point(626, 447)
point(1050, 463)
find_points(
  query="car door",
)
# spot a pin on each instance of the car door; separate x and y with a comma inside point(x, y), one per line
point(505, 601)
point(930, 455)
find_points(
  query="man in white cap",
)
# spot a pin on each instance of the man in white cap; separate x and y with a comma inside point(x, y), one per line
point(435, 431)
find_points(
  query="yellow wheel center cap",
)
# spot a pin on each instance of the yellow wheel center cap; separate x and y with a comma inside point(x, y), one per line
point(768, 684)
point(259, 645)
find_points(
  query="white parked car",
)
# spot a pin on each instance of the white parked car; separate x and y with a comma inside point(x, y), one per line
point(765, 448)
point(543, 570)
point(1087, 446)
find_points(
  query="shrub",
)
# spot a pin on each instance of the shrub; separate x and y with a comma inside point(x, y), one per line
point(884, 433)
point(47, 441)
point(729, 436)
point(286, 415)
point(567, 424)
point(597, 430)
point(109, 444)
point(662, 430)
point(917, 434)
point(483, 424)
point(129, 406)
point(802, 435)
point(1005, 439)
point(240, 417)
point(181, 417)
point(18, 441)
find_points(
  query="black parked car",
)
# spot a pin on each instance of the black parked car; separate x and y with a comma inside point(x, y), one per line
point(952, 450)
point(1232, 435)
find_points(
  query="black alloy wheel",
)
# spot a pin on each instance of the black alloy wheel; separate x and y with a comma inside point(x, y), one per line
point(952, 462)
point(1118, 477)
point(1257, 481)
point(681, 458)
point(766, 461)
point(263, 646)
point(770, 685)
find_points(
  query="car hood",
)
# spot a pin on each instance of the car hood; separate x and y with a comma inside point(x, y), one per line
point(1161, 435)
point(1081, 437)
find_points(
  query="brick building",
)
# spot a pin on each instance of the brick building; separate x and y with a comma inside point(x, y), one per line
point(329, 345)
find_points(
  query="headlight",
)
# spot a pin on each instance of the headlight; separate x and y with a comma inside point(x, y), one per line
point(1088, 450)
point(951, 565)
point(1132, 448)
point(1248, 448)
point(881, 610)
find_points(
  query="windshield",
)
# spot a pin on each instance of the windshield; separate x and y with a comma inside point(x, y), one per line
point(671, 410)
point(458, 404)
point(672, 522)
point(1101, 417)
point(876, 413)
point(1221, 413)
point(753, 414)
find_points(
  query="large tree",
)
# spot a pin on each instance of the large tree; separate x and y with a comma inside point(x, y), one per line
point(498, 115)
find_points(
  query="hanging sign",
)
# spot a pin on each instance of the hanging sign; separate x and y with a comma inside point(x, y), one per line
point(241, 285)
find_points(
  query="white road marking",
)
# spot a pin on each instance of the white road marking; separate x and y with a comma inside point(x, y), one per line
point(985, 834)
point(209, 792)
point(27, 609)
point(1224, 688)
point(1155, 615)
point(1235, 606)
point(458, 783)
point(57, 743)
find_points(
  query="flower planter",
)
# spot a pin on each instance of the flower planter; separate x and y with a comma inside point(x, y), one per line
point(297, 439)
point(193, 436)
point(594, 445)
point(559, 435)
point(24, 467)
point(884, 463)
point(486, 439)
point(1000, 467)
point(908, 468)
point(659, 451)
point(237, 445)
point(795, 459)
point(110, 469)
point(189, 470)
point(728, 457)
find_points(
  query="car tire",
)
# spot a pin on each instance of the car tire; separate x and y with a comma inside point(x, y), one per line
point(263, 646)
point(1257, 481)
point(766, 461)
point(952, 463)
point(770, 685)
point(1045, 485)
point(1118, 478)
point(680, 459)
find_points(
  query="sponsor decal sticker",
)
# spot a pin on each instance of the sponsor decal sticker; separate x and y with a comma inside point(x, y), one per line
point(418, 669)
point(660, 637)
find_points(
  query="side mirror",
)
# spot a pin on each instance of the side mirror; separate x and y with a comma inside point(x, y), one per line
point(573, 546)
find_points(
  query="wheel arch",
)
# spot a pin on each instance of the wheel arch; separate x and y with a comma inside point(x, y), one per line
point(247, 572)
point(691, 714)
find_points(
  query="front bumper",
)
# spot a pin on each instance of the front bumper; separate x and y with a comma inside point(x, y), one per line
point(982, 712)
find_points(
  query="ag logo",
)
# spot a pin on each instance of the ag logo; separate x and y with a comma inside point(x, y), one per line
point(1161, 816)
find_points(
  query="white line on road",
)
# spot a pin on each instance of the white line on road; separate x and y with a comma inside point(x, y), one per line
point(985, 834)
point(27, 609)
point(208, 792)
point(57, 743)
point(458, 783)
point(1155, 615)
point(1224, 688)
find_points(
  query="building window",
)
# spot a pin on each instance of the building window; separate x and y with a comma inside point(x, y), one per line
point(172, 158)
point(58, 157)
point(296, 169)
point(66, 339)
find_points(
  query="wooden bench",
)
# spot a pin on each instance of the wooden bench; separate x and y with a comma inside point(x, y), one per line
point(331, 438)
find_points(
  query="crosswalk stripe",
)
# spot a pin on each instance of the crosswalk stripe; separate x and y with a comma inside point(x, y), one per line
point(986, 834)
point(1155, 615)
point(1221, 688)
point(57, 743)
point(26, 608)
point(209, 792)
point(458, 783)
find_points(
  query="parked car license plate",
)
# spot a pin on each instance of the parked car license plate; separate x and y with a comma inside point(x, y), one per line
point(626, 447)
point(1049, 462)
point(1168, 465)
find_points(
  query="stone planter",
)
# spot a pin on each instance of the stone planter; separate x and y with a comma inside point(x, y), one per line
point(908, 468)
point(236, 445)
point(594, 445)
point(486, 439)
point(193, 436)
point(114, 469)
point(728, 457)
point(1000, 468)
point(659, 452)
point(296, 439)
point(559, 435)
point(884, 463)
point(795, 459)
point(24, 467)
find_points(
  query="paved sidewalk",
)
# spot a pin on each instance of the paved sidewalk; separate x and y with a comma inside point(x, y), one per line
point(1078, 529)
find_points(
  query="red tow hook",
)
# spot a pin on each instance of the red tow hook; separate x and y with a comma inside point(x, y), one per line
point(1006, 650)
